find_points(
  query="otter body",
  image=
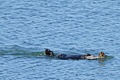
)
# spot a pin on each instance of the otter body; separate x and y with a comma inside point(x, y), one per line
point(77, 57)
point(66, 57)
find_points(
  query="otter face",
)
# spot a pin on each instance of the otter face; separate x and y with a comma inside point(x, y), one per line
point(101, 55)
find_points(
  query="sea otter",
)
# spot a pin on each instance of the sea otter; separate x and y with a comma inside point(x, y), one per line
point(50, 53)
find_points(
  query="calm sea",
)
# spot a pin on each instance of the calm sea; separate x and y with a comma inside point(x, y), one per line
point(28, 27)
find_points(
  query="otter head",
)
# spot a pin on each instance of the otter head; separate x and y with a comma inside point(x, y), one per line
point(101, 55)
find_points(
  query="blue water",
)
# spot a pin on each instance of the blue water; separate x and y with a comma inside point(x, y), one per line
point(28, 27)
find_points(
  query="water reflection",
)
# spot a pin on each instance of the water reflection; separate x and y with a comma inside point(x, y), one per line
point(103, 60)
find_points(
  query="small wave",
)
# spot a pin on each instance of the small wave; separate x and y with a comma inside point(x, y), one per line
point(18, 50)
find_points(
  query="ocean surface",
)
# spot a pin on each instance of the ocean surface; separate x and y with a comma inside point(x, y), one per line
point(28, 27)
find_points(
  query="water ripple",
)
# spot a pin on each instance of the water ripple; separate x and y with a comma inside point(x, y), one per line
point(71, 27)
